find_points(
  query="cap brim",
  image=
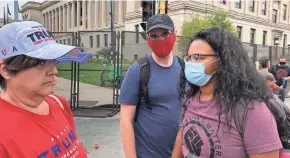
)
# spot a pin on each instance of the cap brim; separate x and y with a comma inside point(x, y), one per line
point(160, 26)
point(60, 53)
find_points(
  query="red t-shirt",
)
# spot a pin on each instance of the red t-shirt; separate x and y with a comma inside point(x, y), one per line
point(27, 135)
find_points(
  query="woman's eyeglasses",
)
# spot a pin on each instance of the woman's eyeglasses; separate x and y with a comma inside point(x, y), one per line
point(196, 57)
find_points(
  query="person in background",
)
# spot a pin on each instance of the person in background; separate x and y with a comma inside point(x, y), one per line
point(264, 72)
point(34, 122)
point(149, 131)
point(281, 73)
point(223, 83)
point(270, 80)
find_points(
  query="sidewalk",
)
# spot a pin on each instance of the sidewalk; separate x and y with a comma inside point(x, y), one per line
point(104, 132)
point(101, 95)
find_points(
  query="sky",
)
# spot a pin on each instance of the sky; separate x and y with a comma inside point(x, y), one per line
point(3, 3)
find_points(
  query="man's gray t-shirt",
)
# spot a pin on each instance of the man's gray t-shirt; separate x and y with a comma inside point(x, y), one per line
point(265, 73)
point(156, 128)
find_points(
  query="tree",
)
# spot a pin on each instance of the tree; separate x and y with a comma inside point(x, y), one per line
point(106, 54)
point(198, 22)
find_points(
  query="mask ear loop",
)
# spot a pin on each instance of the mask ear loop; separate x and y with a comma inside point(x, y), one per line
point(212, 63)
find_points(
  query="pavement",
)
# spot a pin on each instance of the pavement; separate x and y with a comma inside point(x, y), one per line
point(88, 92)
point(104, 132)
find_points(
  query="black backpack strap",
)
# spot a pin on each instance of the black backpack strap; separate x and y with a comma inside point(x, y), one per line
point(144, 78)
point(182, 80)
point(143, 82)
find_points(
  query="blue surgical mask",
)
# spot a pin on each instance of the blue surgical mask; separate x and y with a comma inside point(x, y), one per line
point(195, 73)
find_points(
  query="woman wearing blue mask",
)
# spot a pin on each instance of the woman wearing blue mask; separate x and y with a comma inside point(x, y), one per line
point(221, 79)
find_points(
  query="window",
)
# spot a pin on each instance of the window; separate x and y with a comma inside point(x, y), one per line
point(274, 16)
point(98, 41)
point(284, 12)
point(60, 42)
point(285, 41)
point(252, 5)
point(252, 35)
point(223, 2)
point(239, 30)
point(91, 41)
point(264, 7)
point(68, 41)
point(264, 37)
point(238, 4)
point(63, 41)
point(106, 40)
point(137, 33)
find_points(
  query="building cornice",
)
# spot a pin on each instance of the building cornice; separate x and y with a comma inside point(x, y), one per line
point(46, 4)
point(133, 15)
point(207, 8)
point(30, 5)
point(37, 6)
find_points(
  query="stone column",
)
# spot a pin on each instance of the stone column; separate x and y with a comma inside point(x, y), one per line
point(50, 21)
point(68, 18)
point(97, 12)
point(60, 21)
point(53, 20)
point(84, 14)
point(73, 14)
point(78, 13)
point(89, 14)
point(43, 19)
point(64, 18)
point(104, 13)
point(121, 12)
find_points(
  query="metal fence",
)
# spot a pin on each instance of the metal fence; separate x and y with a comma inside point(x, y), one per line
point(93, 88)
point(256, 51)
point(66, 85)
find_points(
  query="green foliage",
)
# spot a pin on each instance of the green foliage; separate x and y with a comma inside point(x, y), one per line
point(198, 22)
point(106, 54)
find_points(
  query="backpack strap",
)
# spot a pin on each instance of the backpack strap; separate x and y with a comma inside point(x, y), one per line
point(182, 80)
point(144, 78)
point(143, 82)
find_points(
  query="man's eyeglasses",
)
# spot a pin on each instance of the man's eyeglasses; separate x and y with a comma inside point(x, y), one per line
point(196, 57)
point(163, 36)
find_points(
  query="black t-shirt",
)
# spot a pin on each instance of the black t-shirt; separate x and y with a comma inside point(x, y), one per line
point(279, 73)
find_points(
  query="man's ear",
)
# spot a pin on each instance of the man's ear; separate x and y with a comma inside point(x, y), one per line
point(3, 71)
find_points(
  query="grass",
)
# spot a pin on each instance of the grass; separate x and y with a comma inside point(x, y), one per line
point(90, 72)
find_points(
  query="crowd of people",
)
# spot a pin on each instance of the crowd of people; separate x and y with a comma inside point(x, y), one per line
point(213, 103)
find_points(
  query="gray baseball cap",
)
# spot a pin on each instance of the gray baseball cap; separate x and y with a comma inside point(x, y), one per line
point(160, 21)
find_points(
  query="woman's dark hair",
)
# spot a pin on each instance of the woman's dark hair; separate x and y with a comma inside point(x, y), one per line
point(15, 64)
point(237, 82)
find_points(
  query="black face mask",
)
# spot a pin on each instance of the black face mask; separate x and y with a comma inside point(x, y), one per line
point(282, 63)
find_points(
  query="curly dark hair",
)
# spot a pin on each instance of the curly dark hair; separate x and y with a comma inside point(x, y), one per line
point(237, 82)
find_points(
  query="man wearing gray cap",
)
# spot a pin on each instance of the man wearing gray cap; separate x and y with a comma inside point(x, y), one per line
point(150, 114)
